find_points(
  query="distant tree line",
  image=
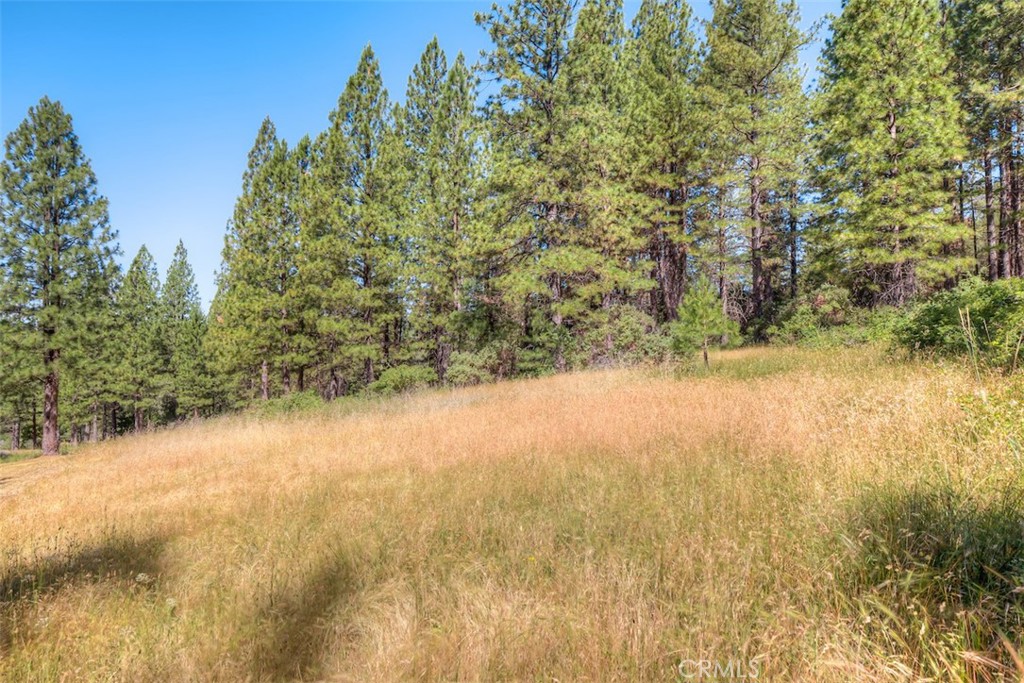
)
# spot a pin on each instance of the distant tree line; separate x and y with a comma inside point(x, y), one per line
point(560, 225)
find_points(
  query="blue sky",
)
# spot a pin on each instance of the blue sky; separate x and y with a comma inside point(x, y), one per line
point(167, 96)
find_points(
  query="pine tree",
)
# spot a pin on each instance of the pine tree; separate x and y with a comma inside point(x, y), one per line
point(56, 248)
point(987, 39)
point(700, 320)
point(665, 123)
point(184, 327)
point(752, 87)
point(442, 139)
point(350, 231)
point(142, 370)
point(606, 235)
point(259, 275)
point(20, 374)
point(889, 136)
point(558, 134)
point(91, 360)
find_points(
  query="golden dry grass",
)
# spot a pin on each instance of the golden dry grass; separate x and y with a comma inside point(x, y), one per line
point(594, 526)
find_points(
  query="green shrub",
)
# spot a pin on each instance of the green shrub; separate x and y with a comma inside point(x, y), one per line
point(297, 402)
point(403, 378)
point(826, 317)
point(468, 369)
point(620, 335)
point(982, 319)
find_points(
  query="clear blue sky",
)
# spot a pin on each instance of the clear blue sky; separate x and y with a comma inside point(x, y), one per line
point(167, 96)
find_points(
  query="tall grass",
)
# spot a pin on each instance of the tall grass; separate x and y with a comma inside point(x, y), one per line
point(830, 516)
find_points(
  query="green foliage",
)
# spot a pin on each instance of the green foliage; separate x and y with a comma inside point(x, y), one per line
point(56, 249)
point(828, 317)
point(403, 378)
point(561, 226)
point(890, 134)
point(807, 318)
point(983, 319)
point(927, 554)
point(468, 368)
point(189, 390)
point(295, 403)
point(142, 370)
point(751, 86)
point(701, 321)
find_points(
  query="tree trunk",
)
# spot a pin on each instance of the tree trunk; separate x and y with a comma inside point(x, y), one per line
point(1005, 233)
point(991, 242)
point(16, 434)
point(670, 274)
point(442, 352)
point(51, 389)
point(368, 374)
point(94, 431)
point(1015, 213)
point(139, 423)
point(301, 379)
point(286, 379)
point(759, 277)
point(794, 244)
point(707, 363)
point(265, 381)
point(609, 341)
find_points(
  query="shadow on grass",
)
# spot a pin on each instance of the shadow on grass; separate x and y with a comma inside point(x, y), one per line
point(118, 557)
point(121, 560)
point(297, 623)
point(940, 566)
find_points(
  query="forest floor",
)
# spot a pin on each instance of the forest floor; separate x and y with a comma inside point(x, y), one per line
point(791, 515)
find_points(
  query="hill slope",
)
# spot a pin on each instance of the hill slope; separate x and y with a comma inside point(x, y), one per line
point(607, 525)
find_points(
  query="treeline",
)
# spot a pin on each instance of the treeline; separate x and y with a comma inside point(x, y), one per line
point(563, 223)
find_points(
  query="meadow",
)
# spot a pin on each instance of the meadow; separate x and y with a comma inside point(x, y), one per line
point(834, 515)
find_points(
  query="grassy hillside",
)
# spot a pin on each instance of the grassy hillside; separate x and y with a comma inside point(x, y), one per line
point(827, 516)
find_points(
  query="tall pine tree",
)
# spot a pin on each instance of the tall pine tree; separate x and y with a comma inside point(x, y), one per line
point(142, 371)
point(752, 87)
point(889, 136)
point(56, 247)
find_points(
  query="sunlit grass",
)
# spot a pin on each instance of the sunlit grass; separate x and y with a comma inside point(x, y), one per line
point(829, 514)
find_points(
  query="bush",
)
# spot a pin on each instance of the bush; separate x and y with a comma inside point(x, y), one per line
point(468, 369)
point(982, 319)
point(298, 402)
point(403, 378)
point(624, 335)
point(807, 317)
point(826, 317)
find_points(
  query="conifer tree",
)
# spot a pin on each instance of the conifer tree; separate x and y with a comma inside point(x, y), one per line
point(91, 361)
point(701, 321)
point(56, 248)
point(442, 139)
point(752, 86)
point(142, 370)
point(987, 39)
point(559, 141)
point(665, 123)
point(889, 136)
point(351, 231)
point(605, 236)
point(184, 327)
point(259, 274)
point(20, 374)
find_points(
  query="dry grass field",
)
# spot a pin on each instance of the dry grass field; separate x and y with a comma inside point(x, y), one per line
point(799, 515)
